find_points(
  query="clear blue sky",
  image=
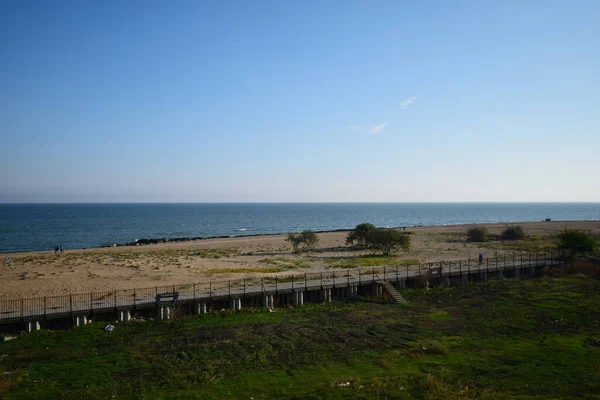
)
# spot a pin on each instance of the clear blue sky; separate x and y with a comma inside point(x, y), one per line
point(191, 101)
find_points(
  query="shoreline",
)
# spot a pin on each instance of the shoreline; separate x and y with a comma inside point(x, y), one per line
point(44, 273)
point(180, 240)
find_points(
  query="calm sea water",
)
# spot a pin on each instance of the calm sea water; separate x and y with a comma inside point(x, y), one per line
point(27, 227)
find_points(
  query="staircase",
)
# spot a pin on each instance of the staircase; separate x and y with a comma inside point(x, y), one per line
point(398, 298)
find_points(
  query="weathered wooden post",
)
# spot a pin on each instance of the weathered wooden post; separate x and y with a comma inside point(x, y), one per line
point(348, 275)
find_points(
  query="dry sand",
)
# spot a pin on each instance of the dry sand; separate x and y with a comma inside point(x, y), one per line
point(46, 274)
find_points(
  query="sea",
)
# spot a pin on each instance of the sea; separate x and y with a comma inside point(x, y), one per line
point(33, 227)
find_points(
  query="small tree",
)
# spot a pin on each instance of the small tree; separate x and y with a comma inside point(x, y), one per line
point(359, 236)
point(513, 233)
point(574, 242)
point(388, 241)
point(302, 241)
point(477, 235)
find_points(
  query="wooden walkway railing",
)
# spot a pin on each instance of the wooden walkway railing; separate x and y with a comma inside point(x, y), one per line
point(11, 310)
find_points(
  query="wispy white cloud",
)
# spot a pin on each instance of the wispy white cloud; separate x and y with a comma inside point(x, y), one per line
point(405, 103)
point(377, 128)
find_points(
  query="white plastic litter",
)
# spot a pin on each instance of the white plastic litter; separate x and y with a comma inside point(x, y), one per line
point(109, 328)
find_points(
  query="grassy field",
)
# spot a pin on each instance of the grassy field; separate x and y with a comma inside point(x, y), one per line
point(499, 339)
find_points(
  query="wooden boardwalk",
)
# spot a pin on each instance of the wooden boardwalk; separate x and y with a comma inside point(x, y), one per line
point(42, 308)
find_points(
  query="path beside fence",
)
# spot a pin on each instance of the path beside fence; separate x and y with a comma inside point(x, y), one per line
point(48, 306)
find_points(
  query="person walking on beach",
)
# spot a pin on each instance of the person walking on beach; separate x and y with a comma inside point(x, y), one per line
point(480, 258)
point(55, 249)
point(62, 249)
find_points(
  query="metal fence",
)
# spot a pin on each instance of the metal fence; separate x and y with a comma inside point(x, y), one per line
point(124, 298)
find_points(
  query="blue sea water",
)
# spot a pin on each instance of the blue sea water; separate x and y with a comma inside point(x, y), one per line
point(28, 227)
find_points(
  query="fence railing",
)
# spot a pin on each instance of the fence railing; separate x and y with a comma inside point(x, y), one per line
point(123, 298)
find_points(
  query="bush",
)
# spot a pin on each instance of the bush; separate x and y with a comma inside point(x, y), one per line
point(574, 242)
point(513, 233)
point(359, 236)
point(388, 241)
point(302, 241)
point(477, 235)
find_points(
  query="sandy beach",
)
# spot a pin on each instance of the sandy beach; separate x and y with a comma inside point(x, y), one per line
point(46, 273)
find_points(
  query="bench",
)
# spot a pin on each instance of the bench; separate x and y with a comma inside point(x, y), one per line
point(173, 296)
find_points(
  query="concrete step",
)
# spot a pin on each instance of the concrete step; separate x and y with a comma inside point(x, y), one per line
point(398, 298)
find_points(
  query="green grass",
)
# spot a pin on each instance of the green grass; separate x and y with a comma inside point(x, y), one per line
point(505, 339)
point(368, 261)
point(216, 271)
point(287, 263)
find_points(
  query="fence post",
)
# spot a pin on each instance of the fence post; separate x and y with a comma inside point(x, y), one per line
point(334, 278)
point(91, 302)
point(460, 267)
point(487, 264)
point(276, 286)
point(384, 274)
point(71, 303)
point(359, 278)
point(496, 261)
point(134, 296)
point(292, 282)
point(44, 306)
point(245, 285)
point(373, 274)
point(210, 293)
point(348, 275)
point(305, 282)
point(262, 285)
point(194, 290)
point(468, 266)
point(230, 288)
point(115, 298)
point(321, 280)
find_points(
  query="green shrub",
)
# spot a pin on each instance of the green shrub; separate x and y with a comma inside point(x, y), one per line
point(513, 233)
point(574, 242)
point(388, 240)
point(477, 234)
point(359, 236)
point(302, 241)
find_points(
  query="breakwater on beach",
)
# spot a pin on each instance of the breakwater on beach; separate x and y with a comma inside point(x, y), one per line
point(33, 227)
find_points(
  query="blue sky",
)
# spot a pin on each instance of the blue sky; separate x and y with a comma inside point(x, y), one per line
point(153, 101)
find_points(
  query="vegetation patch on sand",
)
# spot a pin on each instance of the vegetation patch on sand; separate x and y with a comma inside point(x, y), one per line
point(493, 340)
point(368, 261)
point(251, 270)
point(287, 263)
